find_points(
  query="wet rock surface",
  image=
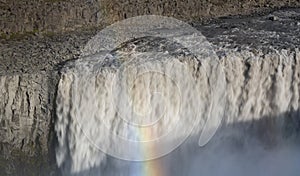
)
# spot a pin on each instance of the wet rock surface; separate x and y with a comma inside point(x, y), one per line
point(29, 74)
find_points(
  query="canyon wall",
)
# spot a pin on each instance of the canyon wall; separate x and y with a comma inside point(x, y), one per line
point(19, 17)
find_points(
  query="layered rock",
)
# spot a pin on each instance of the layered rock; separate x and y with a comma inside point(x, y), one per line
point(27, 16)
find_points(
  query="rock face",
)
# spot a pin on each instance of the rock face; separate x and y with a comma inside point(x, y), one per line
point(26, 113)
point(48, 15)
point(20, 99)
point(31, 16)
point(258, 50)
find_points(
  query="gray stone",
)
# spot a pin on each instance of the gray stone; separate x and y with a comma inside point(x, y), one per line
point(32, 16)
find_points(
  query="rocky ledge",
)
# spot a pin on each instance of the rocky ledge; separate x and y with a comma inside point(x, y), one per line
point(29, 74)
point(20, 17)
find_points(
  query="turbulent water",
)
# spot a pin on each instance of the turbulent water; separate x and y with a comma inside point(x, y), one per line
point(139, 112)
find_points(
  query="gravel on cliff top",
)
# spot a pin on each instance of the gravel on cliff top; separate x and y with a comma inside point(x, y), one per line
point(34, 53)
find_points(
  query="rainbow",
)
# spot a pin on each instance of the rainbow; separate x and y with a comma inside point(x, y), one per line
point(151, 167)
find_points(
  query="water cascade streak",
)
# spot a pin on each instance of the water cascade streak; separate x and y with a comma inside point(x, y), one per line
point(135, 112)
point(261, 118)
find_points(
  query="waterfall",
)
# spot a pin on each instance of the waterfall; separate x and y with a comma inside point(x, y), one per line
point(151, 106)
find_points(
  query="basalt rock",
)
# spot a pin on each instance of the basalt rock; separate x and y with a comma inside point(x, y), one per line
point(33, 16)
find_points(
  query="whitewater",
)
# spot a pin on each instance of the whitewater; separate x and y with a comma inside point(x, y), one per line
point(150, 96)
